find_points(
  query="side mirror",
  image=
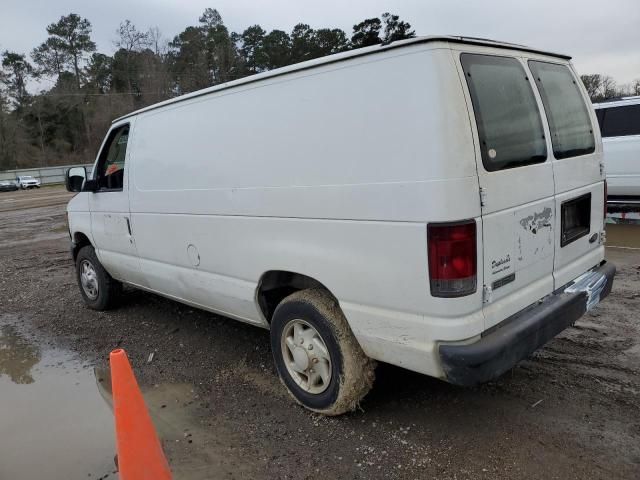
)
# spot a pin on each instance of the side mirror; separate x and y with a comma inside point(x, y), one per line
point(74, 178)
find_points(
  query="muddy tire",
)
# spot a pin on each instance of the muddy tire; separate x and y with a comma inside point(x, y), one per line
point(98, 289)
point(317, 356)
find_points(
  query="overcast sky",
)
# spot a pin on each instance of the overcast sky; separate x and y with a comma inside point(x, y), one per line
point(602, 36)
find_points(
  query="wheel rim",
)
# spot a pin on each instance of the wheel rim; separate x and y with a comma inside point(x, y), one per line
point(306, 356)
point(89, 279)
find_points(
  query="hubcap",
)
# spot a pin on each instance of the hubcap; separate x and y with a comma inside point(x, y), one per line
point(306, 356)
point(89, 279)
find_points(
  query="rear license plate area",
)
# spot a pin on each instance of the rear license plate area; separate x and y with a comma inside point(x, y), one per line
point(576, 219)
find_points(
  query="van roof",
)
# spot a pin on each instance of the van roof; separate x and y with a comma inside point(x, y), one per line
point(340, 57)
point(617, 102)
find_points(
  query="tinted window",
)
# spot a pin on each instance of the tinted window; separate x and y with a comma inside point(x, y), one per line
point(507, 117)
point(600, 117)
point(569, 122)
point(620, 121)
point(111, 163)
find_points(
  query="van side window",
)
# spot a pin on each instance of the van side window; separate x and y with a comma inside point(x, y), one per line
point(110, 170)
point(620, 121)
point(569, 122)
point(509, 124)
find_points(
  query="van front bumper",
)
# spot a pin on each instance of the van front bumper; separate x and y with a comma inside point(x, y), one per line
point(501, 347)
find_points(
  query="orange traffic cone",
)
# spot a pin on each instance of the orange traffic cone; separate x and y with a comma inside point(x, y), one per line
point(140, 455)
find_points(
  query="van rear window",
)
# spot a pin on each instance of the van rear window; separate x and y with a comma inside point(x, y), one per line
point(509, 124)
point(569, 122)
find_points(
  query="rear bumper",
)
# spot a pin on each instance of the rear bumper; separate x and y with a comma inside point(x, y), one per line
point(518, 336)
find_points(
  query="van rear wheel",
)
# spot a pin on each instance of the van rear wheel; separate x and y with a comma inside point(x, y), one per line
point(317, 356)
point(99, 290)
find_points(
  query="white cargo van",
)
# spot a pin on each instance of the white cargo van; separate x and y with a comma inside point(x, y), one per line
point(436, 203)
point(620, 128)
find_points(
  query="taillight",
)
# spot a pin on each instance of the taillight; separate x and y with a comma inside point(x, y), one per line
point(452, 258)
point(604, 208)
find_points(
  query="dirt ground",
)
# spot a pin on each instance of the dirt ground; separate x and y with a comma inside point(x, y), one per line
point(572, 410)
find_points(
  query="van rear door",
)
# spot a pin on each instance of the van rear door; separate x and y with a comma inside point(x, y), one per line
point(515, 175)
point(577, 167)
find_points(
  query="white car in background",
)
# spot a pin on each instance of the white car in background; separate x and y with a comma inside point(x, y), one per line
point(27, 181)
point(619, 121)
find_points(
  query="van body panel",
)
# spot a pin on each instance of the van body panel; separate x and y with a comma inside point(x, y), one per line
point(79, 216)
point(237, 249)
point(367, 212)
point(228, 175)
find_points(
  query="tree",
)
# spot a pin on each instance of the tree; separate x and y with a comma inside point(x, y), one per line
point(592, 84)
point(130, 41)
point(210, 18)
point(608, 88)
point(221, 52)
point(301, 41)
point(325, 41)
point(51, 57)
point(394, 29)
point(277, 49)
point(130, 38)
point(366, 33)
point(188, 60)
point(157, 41)
point(68, 43)
point(17, 71)
point(253, 49)
point(99, 73)
point(602, 87)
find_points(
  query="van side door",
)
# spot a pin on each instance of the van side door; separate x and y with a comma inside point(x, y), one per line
point(109, 206)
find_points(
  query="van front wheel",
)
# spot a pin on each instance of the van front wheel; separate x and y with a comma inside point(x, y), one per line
point(99, 290)
point(316, 354)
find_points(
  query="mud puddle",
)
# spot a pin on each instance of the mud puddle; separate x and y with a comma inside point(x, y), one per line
point(623, 235)
point(56, 419)
point(196, 447)
point(53, 422)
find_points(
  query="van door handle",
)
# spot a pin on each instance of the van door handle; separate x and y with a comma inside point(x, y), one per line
point(593, 238)
point(128, 225)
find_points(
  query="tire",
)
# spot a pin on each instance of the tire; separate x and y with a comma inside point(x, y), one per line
point(107, 290)
point(351, 372)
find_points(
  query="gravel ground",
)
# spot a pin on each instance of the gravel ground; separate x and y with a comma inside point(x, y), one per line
point(570, 411)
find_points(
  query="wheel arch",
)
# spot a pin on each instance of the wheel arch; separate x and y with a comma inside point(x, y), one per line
point(78, 241)
point(275, 285)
